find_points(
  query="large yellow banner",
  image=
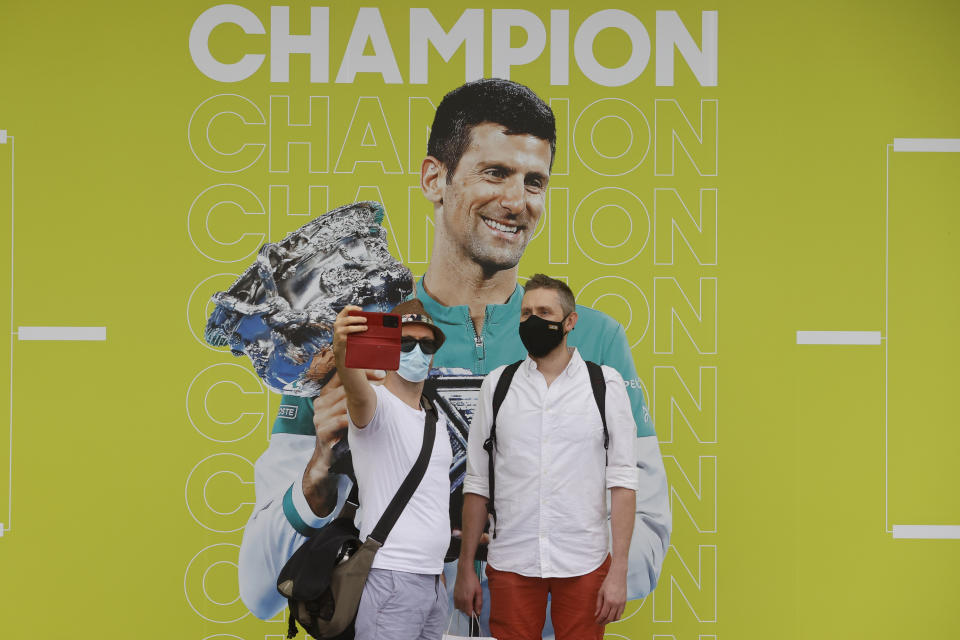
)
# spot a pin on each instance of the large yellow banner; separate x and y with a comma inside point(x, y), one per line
point(764, 197)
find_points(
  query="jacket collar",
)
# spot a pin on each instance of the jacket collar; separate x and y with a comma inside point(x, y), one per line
point(496, 313)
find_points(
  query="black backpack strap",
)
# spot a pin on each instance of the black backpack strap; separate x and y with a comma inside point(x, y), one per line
point(499, 393)
point(400, 499)
point(599, 386)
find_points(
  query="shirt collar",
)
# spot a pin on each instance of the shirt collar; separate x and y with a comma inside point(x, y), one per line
point(496, 313)
point(575, 364)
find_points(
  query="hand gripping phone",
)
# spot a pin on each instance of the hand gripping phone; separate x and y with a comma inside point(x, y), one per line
point(379, 346)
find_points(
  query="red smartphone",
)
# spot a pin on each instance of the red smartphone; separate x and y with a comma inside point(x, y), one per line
point(379, 346)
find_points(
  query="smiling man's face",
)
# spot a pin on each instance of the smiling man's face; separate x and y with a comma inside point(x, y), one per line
point(495, 197)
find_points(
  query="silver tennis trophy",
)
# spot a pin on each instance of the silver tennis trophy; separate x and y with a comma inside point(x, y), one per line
point(280, 311)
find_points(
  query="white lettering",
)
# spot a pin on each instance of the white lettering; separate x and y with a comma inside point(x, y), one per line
point(560, 47)
point(503, 56)
point(316, 44)
point(591, 28)
point(467, 32)
point(200, 38)
point(369, 28)
point(703, 61)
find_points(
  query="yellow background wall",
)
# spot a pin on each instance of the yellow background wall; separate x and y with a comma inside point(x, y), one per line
point(714, 222)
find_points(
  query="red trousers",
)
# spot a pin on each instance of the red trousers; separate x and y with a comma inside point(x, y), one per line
point(518, 605)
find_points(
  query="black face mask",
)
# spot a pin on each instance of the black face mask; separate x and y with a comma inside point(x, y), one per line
point(540, 336)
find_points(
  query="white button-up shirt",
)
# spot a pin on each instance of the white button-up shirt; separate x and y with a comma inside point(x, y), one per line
point(551, 474)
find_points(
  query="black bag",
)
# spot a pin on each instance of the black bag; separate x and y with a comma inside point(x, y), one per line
point(324, 579)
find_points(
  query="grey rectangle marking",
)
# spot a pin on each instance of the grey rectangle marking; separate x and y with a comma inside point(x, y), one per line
point(926, 531)
point(62, 333)
point(927, 145)
point(838, 337)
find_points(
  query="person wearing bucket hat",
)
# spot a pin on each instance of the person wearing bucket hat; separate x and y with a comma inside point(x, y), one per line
point(414, 364)
point(403, 596)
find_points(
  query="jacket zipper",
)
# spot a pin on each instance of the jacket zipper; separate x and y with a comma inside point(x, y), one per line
point(479, 350)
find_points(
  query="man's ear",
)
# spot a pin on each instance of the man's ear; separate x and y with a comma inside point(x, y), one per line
point(571, 321)
point(433, 176)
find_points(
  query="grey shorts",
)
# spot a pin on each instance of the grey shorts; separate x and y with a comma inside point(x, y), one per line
point(397, 605)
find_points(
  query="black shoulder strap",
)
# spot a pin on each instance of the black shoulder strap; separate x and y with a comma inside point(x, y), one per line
point(499, 393)
point(599, 386)
point(352, 503)
point(343, 465)
point(414, 476)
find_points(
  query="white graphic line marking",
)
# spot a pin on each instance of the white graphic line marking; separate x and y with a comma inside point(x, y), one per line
point(886, 332)
point(838, 337)
point(3, 140)
point(927, 531)
point(8, 525)
point(62, 333)
point(941, 145)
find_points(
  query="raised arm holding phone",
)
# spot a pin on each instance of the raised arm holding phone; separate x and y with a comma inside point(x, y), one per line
point(403, 596)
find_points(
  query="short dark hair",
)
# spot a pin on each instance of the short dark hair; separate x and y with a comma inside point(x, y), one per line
point(541, 281)
point(509, 104)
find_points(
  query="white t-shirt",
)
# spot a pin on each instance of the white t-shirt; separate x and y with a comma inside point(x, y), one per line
point(383, 453)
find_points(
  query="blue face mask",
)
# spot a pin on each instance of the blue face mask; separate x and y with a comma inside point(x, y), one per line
point(414, 365)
